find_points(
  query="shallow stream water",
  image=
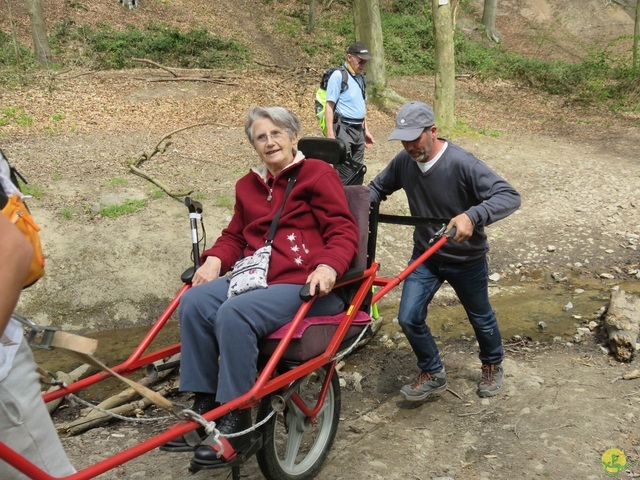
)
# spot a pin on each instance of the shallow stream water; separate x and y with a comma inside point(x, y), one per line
point(530, 310)
point(541, 312)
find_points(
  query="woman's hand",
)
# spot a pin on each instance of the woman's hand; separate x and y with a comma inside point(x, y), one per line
point(322, 280)
point(209, 270)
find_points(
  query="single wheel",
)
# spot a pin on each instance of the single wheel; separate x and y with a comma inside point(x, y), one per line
point(294, 448)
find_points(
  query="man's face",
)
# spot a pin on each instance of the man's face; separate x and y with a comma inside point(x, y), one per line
point(356, 63)
point(421, 148)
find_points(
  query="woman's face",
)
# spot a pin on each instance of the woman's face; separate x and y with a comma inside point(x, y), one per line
point(273, 144)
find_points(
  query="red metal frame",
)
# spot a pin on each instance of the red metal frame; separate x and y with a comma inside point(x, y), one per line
point(267, 382)
point(388, 284)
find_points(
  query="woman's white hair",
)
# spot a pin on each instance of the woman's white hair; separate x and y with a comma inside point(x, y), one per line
point(280, 116)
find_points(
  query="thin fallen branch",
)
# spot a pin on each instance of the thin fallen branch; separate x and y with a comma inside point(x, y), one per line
point(515, 427)
point(628, 376)
point(192, 79)
point(161, 147)
point(129, 394)
point(470, 414)
point(90, 72)
point(452, 392)
point(558, 427)
point(270, 65)
point(177, 195)
point(176, 77)
point(151, 62)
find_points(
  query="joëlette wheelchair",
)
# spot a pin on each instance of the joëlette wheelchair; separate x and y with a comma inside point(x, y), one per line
point(297, 392)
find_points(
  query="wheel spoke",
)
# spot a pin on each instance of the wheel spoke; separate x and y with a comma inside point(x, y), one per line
point(323, 410)
point(294, 439)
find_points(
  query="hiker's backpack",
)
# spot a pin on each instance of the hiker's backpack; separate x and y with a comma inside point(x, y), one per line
point(321, 95)
point(14, 208)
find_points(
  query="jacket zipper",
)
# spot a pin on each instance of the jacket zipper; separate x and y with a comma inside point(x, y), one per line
point(18, 215)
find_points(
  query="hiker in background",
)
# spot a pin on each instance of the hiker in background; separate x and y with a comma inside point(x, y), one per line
point(346, 110)
point(25, 424)
point(441, 180)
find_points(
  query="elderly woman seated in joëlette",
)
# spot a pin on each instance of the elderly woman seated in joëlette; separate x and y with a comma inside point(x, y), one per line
point(315, 241)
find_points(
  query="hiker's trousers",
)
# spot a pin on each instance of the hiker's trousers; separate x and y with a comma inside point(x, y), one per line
point(25, 423)
point(353, 136)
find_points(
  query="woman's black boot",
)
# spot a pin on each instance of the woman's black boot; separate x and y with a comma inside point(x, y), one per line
point(202, 403)
point(232, 422)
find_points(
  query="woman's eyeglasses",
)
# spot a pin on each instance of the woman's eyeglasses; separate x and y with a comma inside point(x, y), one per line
point(276, 136)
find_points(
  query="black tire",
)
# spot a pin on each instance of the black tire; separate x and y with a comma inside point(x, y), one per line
point(285, 456)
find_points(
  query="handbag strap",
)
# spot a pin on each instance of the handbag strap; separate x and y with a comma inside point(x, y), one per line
point(274, 223)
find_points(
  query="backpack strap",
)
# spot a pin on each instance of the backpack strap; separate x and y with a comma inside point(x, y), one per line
point(345, 79)
point(343, 86)
point(362, 86)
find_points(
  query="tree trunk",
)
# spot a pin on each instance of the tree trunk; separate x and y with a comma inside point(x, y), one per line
point(368, 29)
point(39, 33)
point(312, 16)
point(636, 35)
point(14, 37)
point(444, 96)
point(489, 20)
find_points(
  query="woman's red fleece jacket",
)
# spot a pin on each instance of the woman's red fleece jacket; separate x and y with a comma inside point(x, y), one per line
point(315, 226)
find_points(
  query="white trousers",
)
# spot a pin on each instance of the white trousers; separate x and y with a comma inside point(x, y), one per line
point(25, 423)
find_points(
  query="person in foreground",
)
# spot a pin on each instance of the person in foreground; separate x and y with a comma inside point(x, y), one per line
point(443, 181)
point(315, 241)
point(25, 424)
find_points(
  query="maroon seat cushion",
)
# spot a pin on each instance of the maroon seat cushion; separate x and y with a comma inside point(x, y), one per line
point(312, 336)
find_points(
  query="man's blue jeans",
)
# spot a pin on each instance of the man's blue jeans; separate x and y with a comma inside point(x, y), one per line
point(470, 282)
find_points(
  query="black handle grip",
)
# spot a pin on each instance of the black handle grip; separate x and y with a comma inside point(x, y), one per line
point(451, 233)
point(305, 292)
point(193, 205)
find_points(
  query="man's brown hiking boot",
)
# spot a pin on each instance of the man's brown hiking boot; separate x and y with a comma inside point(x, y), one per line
point(491, 382)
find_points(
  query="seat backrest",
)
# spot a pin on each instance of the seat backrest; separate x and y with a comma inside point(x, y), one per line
point(334, 152)
point(358, 199)
point(331, 150)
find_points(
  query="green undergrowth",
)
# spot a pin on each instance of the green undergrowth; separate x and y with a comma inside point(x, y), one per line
point(604, 76)
point(129, 206)
point(108, 47)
